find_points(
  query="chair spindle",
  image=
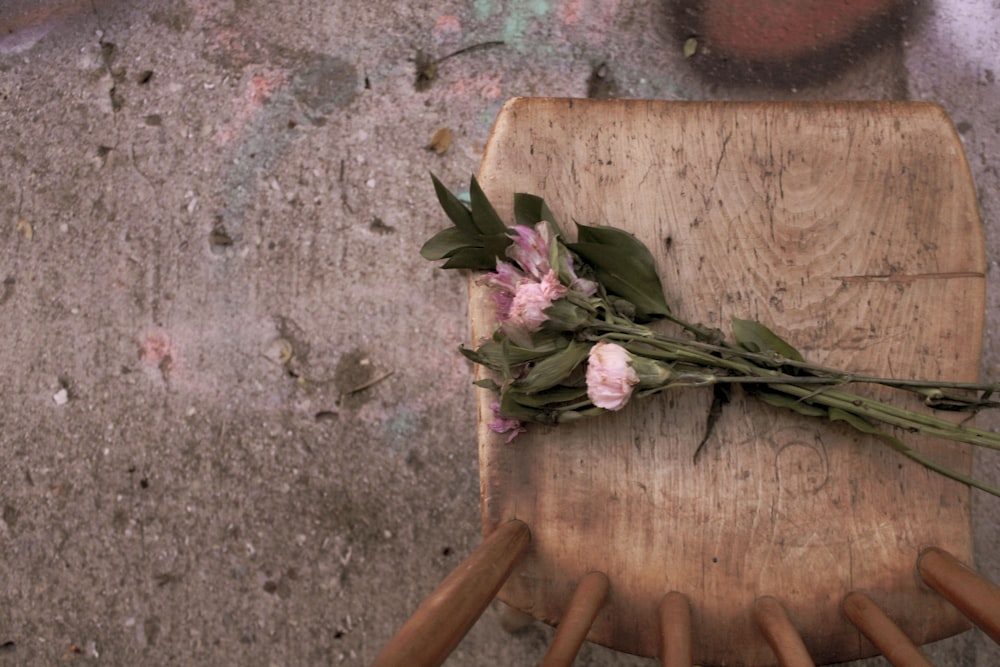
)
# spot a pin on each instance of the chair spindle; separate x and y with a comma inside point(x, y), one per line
point(882, 631)
point(976, 597)
point(439, 624)
point(590, 595)
point(781, 635)
point(675, 630)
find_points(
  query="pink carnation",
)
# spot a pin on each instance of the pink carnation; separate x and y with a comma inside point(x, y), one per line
point(610, 377)
point(527, 310)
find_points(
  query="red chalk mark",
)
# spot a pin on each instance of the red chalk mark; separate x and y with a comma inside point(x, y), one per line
point(158, 352)
point(260, 89)
point(28, 16)
point(257, 91)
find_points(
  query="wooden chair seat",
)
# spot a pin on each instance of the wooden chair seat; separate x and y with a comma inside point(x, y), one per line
point(851, 229)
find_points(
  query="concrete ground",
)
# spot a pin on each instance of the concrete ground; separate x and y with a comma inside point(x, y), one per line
point(235, 429)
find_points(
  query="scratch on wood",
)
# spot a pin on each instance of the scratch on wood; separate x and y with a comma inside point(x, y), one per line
point(907, 277)
point(722, 154)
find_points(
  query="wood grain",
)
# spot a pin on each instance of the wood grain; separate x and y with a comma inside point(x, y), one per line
point(851, 229)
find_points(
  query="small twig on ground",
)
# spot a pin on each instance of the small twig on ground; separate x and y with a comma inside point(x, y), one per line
point(368, 385)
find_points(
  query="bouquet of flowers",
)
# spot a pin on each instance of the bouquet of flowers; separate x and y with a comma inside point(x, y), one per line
point(572, 337)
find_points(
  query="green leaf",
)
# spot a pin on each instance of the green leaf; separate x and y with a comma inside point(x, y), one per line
point(612, 236)
point(484, 216)
point(755, 337)
point(863, 425)
point(497, 355)
point(625, 266)
point(511, 407)
point(471, 258)
point(552, 370)
point(721, 396)
point(488, 384)
point(446, 243)
point(453, 208)
point(565, 316)
point(859, 423)
point(496, 245)
point(552, 397)
point(628, 274)
point(531, 209)
point(780, 400)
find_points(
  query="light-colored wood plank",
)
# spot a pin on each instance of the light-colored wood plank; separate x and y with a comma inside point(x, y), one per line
point(852, 230)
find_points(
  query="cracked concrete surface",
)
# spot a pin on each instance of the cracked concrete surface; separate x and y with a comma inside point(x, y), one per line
point(235, 429)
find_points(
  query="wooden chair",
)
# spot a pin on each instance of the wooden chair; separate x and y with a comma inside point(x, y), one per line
point(849, 228)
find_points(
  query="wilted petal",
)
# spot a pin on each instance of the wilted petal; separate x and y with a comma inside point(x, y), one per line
point(530, 250)
point(501, 424)
point(504, 283)
point(578, 284)
point(588, 287)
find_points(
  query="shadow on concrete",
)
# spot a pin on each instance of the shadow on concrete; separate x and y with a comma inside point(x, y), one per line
point(813, 65)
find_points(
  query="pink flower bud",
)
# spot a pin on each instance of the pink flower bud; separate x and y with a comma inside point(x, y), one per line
point(610, 377)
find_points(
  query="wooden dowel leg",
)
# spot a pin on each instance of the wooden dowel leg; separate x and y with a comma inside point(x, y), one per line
point(575, 624)
point(675, 631)
point(882, 631)
point(435, 629)
point(784, 639)
point(974, 596)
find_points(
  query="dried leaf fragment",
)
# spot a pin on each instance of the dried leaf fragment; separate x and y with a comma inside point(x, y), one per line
point(279, 351)
point(25, 229)
point(426, 71)
point(690, 46)
point(441, 141)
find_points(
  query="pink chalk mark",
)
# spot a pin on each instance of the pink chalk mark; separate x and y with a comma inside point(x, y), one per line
point(489, 87)
point(570, 12)
point(594, 16)
point(159, 355)
point(155, 348)
point(446, 28)
point(598, 30)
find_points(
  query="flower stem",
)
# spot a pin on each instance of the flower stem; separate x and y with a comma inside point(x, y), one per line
point(889, 414)
point(807, 388)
